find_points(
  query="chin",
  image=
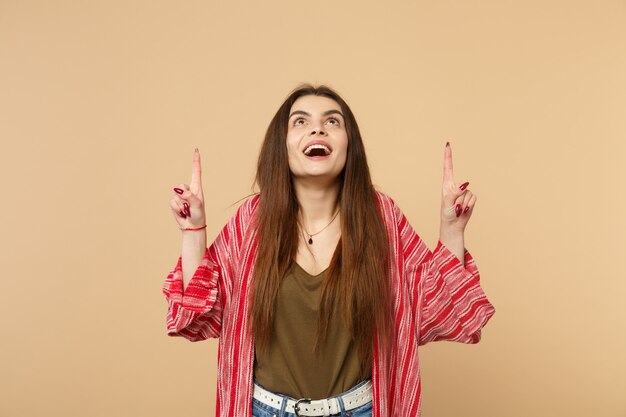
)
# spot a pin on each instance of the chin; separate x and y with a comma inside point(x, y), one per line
point(321, 175)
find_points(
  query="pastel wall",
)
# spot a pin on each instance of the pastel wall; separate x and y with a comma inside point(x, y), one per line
point(102, 104)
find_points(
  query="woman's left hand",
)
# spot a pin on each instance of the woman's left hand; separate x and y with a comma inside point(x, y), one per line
point(457, 201)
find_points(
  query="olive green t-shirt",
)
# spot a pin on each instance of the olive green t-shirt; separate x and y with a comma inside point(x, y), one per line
point(291, 367)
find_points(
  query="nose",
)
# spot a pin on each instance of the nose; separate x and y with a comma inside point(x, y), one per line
point(318, 130)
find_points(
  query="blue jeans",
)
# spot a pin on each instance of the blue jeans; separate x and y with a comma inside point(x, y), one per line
point(260, 409)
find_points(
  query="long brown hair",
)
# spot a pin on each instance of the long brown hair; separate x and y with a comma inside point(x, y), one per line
point(358, 272)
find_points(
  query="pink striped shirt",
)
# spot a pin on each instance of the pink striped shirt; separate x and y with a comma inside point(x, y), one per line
point(435, 298)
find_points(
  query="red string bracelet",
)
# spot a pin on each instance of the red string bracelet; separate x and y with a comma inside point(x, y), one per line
point(192, 228)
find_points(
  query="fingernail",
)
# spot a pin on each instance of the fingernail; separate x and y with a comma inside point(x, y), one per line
point(182, 214)
point(178, 190)
point(464, 185)
point(196, 149)
point(466, 208)
point(447, 143)
point(458, 210)
point(187, 209)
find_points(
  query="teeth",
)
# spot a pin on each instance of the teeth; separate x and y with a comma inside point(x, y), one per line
point(310, 148)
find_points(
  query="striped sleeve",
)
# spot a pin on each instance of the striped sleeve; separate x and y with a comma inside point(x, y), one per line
point(195, 312)
point(447, 298)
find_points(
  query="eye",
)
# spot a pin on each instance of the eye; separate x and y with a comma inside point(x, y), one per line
point(295, 122)
point(335, 120)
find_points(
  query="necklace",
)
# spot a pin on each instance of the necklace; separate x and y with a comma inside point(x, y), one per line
point(311, 235)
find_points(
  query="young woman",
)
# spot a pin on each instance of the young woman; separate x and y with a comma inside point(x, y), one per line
point(318, 288)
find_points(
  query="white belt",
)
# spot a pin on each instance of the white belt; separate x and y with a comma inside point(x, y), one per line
point(325, 407)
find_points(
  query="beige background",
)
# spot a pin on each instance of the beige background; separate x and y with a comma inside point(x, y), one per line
point(102, 104)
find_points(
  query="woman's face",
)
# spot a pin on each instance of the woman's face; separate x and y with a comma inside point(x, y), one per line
point(318, 121)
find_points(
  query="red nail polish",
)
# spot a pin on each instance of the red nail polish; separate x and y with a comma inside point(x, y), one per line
point(464, 185)
point(178, 190)
point(458, 210)
point(182, 214)
point(466, 208)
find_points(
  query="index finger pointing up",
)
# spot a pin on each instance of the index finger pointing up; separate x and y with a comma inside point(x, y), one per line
point(447, 164)
point(196, 173)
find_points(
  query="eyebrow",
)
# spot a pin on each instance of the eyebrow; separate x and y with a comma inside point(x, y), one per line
point(326, 113)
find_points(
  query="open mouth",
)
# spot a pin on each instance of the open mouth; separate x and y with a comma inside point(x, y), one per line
point(317, 150)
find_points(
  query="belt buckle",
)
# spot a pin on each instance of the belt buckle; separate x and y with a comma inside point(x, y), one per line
point(296, 407)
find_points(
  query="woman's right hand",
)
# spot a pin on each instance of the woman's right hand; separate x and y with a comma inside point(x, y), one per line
point(187, 202)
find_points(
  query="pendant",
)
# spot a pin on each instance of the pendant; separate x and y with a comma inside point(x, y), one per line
point(310, 240)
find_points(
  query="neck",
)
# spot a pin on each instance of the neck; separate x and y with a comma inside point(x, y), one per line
point(318, 203)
